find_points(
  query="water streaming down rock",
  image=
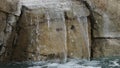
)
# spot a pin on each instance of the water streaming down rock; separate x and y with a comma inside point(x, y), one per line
point(57, 29)
point(51, 30)
point(107, 31)
point(84, 28)
point(77, 45)
point(82, 14)
point(106, 25)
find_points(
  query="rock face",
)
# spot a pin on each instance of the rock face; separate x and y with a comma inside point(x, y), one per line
point(10, 6)
point(107, 18)
point(106, 47)
point(38, 38)
point(43, 31)
point(106, 31)
point(76, 40)
point(58, 29)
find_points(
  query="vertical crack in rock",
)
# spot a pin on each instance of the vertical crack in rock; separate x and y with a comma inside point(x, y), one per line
point(17, 30)
point(15, 46)
point(8, 37)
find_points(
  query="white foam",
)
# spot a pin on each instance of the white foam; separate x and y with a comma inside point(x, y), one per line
point(115, 63)
point(35, 67)
point(72, 64)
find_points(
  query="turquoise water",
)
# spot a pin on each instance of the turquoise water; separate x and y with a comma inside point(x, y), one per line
point(111, 62)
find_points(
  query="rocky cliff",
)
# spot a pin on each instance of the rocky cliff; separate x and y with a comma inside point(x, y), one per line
point(105, 28)
point(58, 29)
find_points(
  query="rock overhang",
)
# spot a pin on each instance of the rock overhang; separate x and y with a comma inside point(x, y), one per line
point(15, 6)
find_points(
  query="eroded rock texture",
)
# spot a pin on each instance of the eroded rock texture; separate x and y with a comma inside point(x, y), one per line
point(7, 35)
point(10, 6)
point(44, 30)
point(106, 47)
point(106, 31)
point(58, 29)
point(106, 13)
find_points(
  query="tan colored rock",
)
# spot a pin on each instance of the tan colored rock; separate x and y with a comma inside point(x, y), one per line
point(76, 43)
point(27, 36)
point(3, 18)
point(77, 27)
point(106, 27)
point(44, 33)
point(107, 16)
point(7, 36)
point(39, 39)
point(57, 34)
point(10, 6)
point(106, 47)
point(2, 21)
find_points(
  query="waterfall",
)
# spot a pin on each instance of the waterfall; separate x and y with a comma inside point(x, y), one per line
point(84, 28)
point(86, 34)
point(57, 30)
point(48, 19)
point(106, 25)
point(53, 29)
point(82, 14)
point(65, 54)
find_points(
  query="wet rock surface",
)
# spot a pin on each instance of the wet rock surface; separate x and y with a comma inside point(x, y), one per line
point(10, 6)
point(105, 28)
point(107, 17)
point(106, 47)
point(42, 30)
point(111, 62)
point(57, 29)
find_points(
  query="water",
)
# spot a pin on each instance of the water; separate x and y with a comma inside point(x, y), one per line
point(57, 4)
point(65, 50)
point(57, 27)
point(84, 28)
point(54, 14)
point(110, 62)
point(106, 24)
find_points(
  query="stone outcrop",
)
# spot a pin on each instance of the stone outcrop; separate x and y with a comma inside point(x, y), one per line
point(75, 37)
point(58, 29)
point(106, 28)
point(45, 32)
point(7, 35)
point(107, 18)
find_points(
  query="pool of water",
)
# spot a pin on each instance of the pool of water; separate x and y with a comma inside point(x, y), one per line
point(111, 62)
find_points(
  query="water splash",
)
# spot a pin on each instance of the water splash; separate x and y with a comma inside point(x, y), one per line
point(73, 63)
